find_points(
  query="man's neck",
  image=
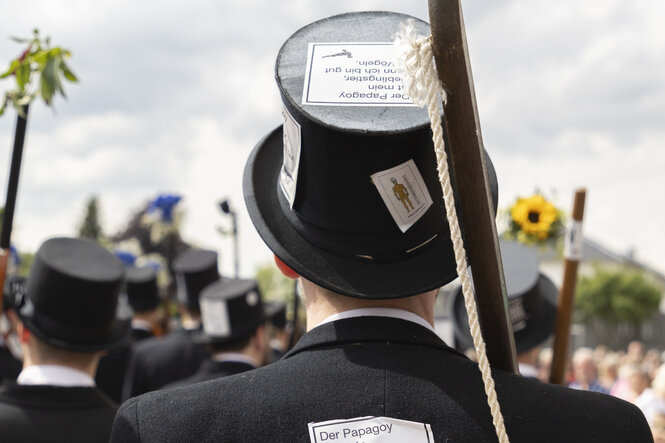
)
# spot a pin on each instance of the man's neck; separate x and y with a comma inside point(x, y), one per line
point(321, 304)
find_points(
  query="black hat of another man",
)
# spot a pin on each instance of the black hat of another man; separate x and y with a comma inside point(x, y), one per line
point(141, 288)
point(531, 300)
point(346, 191)
point(194, 270)
point(231, 309)
point(72, 294)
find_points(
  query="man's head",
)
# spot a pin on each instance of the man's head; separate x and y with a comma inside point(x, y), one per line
point(335, 220)
point(584, 367)
point(70, 301)
point(233, 316)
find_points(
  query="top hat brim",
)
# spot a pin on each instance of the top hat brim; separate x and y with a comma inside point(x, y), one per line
point(415, 274)
point(539, 326)
point(118, 334)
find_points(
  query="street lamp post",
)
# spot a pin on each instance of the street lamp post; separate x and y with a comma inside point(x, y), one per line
point(226, 209)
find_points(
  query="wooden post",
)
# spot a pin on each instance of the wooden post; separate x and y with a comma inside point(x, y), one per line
point(10, 201)
point(467, 165)
point(565, 303)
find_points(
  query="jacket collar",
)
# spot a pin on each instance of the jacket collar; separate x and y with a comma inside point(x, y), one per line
point(369, 329)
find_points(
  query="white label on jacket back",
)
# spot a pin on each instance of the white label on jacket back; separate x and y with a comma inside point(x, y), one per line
point(370, 430)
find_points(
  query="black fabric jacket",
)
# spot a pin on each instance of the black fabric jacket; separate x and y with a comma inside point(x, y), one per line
point(374, 366)
point(35, 414)
point(211, 370)
point(156, 362)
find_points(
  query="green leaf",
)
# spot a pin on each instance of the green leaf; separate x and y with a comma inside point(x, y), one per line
point(69, 75)
point(22, 75)
point(40, 57)
point(12, 67)
point(48, 80)
point(19, 39)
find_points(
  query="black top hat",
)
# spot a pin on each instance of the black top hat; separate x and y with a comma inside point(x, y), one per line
point(531, 300)
point(194, 270)
point(231, 309)
point(141, 288)
point(13, 290)
point(276, 312)
point(355, 204)
point(72, 294)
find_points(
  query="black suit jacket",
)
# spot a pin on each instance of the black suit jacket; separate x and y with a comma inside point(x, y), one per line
point(34, 414)
point(10, 367)
point(211, 370)
point(374, 366)
point(112, 367)
point(156, 362)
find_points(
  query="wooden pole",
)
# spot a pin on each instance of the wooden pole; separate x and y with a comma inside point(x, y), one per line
point(467, 164)
point(565, 303)
point(10, 201)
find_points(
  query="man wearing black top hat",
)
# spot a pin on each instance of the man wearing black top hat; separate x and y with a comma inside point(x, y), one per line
point(158, 361)
point(370, 364)
point(233, 317)
point(10, 348)
point(531, 305)
point(68, 318)
point(143, 298)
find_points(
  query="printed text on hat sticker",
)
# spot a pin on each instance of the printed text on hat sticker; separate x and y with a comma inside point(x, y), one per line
point(288, 176)
point(404, 193)
point(353, 74)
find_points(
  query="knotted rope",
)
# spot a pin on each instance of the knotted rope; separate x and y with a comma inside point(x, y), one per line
point(415, 60)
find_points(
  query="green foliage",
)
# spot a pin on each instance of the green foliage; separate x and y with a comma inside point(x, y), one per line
point(617, 296)
point(46, 62)
point(90, 226)
point(273, 284)
point(26, 263)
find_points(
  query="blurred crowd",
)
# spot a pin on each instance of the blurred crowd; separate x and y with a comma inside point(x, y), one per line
point(634, 374)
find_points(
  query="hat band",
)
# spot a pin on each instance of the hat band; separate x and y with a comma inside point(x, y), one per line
point(378, 247)
point(520, 307)
point(64, 332)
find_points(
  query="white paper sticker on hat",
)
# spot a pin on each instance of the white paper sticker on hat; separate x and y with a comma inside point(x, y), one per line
point(353, 74)
point(215, 317)
point(288, 176)
point(573, 245)
point(370, 430)
point(403, 190)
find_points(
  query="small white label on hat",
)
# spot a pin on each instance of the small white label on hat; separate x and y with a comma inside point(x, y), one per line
point(215, 316)
point(288, 176)
point(370, 430)
point(574, 243)
point(403, 190)
point(353, 74)
point(252, 298)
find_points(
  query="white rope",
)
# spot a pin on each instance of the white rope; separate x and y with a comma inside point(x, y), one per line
point(414, 58)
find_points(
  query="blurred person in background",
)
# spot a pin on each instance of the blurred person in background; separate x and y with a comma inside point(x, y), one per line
point(585, 372)
point(532, 306)
point(158, 361)
point(142, 295)
point(11, 355)
point(234, 330)
point(608, 370)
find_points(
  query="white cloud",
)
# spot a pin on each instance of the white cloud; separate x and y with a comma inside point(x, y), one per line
point(174, 96)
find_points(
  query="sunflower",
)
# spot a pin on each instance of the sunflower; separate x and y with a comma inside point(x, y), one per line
point(535, 216)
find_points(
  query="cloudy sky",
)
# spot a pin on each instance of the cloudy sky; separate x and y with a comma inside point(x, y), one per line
point(174, 95)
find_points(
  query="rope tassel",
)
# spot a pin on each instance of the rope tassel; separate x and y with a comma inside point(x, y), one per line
point(415, 60)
